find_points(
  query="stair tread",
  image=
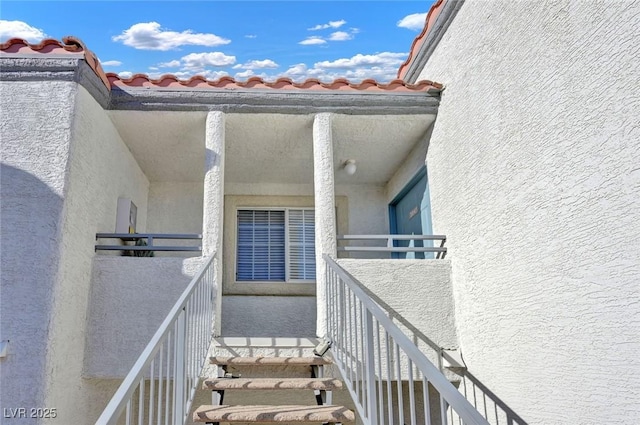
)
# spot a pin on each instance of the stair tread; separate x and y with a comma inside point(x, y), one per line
point(263, 413)
point(272, 384)
point(271, 361)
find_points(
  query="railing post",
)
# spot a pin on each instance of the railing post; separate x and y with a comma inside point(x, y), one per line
point(179, 374)
point(370, 370)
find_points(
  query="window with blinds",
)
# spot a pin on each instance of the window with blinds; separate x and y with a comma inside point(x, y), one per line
point(276, 245)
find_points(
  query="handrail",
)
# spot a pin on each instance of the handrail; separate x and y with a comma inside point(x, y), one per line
point(172, 360)
point(147, 239)
point(485, 401)
point(440, 251)
point(362, 336)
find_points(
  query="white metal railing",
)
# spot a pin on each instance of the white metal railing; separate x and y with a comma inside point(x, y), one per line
point(160, 387)
point(490, 406)
point(390, 380)
point(145, 242)
point(417, 244)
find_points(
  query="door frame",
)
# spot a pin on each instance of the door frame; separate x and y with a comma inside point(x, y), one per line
point(393, 225)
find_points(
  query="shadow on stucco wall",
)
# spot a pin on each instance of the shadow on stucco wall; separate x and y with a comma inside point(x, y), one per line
point(30, 222)
point(492, 407)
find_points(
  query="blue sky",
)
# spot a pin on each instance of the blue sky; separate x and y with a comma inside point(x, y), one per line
point(269, 39)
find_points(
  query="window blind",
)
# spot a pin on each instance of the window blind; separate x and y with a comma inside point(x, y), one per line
point(276, 245)
point(302, 252)
point(261, 245)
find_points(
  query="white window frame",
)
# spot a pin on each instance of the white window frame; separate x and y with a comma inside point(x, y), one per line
point(287, 274)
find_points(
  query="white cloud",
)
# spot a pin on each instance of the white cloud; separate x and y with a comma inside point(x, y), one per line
point(111, 63)
point(150, 36)
point(170, 64)
point(19, 29)
point(250, 36)
point(198, 64)
point(257, 64)
point(197, 61)
point(244, 74)
point(331, 24)
point(185, 75)
point(340, 36)
point(414, 21)
point(383, 59)
point(381, 67)
point(125, 74)
point(296, 70)
point(312, 41)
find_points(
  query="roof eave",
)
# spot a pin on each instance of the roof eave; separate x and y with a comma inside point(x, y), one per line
point(438, 20)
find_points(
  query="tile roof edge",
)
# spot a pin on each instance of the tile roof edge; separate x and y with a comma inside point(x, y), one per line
point(432, 15)
point(73, 45)
point(69, 44)
point(229, 83)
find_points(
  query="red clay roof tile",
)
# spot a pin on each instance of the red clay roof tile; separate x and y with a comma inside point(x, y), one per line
point(73, 46)
point(171, 81)
point(435, 10)
point(68, 46)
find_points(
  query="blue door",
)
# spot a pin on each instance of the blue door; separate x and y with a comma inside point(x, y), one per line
point(411, 215)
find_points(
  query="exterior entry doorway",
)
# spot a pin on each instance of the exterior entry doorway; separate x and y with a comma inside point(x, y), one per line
point(410, 214)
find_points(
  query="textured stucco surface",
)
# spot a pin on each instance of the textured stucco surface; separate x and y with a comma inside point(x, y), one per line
point(175, 207)
point(534, 178)
point(325, 208)
point(268, 316)
point(417, 290)
point(127, 291)
point(64, 167)
point(35, 150)
point(100, 170)
point(412, 164)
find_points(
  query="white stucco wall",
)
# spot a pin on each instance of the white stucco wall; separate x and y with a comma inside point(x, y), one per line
point(368, 209)
point(417, 290)
point(268, 316)
point(130, 298)
point(63, 168)
point(534, 178)
point(35, 138)
point(409, 168)
point(100, 170)
point(175, 207)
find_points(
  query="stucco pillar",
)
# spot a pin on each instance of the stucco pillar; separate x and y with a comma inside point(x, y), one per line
point(213, 203)
point(325, 211)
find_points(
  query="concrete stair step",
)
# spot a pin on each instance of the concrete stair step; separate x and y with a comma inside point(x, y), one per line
point(274, 414)
point(269, 361)
point(322, 384)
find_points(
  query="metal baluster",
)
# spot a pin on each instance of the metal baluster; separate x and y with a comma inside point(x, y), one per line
point(160, 364)
point(380, 390)
point(152, 389)
point(128, 413)
point(166, 399)
point(359, 348)
point(443, 410)
point(426, 400)
point(412, 395)
point(372, 413)
point(389, 379)
point(399, 378)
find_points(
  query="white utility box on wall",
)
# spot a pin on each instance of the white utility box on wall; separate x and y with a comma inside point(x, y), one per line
point(126, 216)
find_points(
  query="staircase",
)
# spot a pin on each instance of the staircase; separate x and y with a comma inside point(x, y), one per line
point(299, 373)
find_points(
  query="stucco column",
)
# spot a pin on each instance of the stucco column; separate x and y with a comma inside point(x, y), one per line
point(213, 203)
point(325, 211)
